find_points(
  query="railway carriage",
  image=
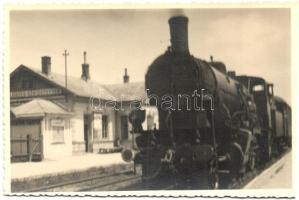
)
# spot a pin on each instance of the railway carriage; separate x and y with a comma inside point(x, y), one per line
point(282, 127)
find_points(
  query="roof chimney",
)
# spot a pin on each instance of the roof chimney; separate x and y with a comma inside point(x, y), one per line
point(46, 65)
point(179, 34)
point(85, 69)
point(126, 77)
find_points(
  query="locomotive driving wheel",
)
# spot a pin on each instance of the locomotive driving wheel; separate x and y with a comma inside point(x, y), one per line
point(150, 170)
point(152, 166)
point(214, 179)
point(251, 162)
point(267, 147)
point(252, 159)
point(206, 178)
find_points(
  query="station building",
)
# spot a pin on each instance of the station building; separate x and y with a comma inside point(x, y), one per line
point(54, 116)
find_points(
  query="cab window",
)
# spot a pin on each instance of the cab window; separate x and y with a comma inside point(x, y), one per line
point(258, 88)
point(270, 90)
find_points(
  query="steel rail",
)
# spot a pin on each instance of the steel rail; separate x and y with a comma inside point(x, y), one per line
point(74, 182)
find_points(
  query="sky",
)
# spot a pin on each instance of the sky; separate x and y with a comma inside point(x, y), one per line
point(250, 41)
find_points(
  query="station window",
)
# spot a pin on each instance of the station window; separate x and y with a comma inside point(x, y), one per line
point(58, 134)
point(104, 126)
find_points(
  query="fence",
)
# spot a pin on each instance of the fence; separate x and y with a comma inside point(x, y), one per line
point(26, 149)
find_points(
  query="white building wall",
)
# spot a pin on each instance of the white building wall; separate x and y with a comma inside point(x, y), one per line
point(74, 131)
point(81, 108)
point(52, 149)
point(77, 127)
point(97, 126)
point(104, 143)
point(124, 112)
point(114, 127)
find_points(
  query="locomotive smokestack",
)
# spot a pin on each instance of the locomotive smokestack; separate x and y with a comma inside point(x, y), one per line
point(179, 34)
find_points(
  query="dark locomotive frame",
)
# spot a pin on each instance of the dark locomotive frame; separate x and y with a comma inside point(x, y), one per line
point(207, 148)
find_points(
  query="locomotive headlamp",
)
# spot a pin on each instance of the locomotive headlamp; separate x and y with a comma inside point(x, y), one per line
point(128, 155)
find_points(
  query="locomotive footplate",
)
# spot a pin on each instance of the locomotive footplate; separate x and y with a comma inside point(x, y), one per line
point(179, 161)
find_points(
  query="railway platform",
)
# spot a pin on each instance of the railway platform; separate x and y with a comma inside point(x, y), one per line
point(42, 176)
point(278, 176)
point(64, 165)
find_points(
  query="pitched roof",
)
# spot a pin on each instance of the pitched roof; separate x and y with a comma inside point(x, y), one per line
point(79, 87)
point(75, 85)
point(127, 91)
point(38, 108)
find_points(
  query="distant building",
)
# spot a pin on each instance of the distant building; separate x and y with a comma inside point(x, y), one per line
point(60, 120)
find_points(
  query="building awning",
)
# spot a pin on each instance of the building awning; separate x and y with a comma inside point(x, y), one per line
point(38, 108)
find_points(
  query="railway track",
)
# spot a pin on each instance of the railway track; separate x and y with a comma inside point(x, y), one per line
point(115, 184)
point(127, 180)
point(243, 181)
point(96, 183)
point(235, 184)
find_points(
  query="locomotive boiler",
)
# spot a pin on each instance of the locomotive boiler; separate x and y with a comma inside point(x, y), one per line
point(209, 126)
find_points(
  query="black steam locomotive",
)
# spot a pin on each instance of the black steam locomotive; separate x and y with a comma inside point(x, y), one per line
point(211, 122)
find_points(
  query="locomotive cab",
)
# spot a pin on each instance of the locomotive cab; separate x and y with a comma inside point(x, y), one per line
point(264, 98)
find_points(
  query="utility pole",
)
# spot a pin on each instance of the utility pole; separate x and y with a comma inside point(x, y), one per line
point(84, 57)
point(65, 54)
